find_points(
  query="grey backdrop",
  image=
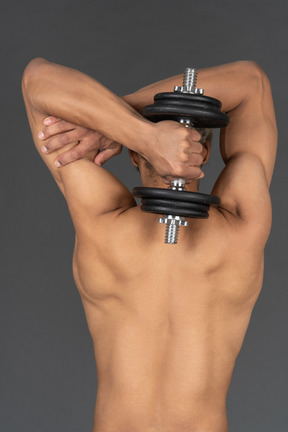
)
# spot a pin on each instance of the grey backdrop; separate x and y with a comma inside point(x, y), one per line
point(48, 377)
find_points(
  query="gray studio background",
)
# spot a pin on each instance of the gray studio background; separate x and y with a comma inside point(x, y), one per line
point(48, 376)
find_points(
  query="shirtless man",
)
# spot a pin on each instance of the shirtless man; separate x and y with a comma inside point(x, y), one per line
point(167, 321)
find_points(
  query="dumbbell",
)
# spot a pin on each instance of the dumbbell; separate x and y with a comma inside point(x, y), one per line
point(187, 105)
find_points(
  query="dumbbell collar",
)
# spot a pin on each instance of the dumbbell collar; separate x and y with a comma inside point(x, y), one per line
point(189, 83)
point(178, 184)
point(181, 89)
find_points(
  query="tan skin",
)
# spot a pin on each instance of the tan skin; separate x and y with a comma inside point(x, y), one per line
point(167, 322)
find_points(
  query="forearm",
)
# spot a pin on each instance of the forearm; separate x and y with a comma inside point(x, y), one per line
point(50, 89)
point(73, 96)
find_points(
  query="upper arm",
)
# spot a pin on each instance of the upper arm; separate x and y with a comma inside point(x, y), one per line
point(244, 192)
point(248, 147)
point(89, 189)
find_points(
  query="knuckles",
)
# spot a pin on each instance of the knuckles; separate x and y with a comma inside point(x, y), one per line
point(196, 159)
point(188, 167)
point(191, 158)
point(189, 134)
point(64, 139)
point(61, 125)
point(197, 147)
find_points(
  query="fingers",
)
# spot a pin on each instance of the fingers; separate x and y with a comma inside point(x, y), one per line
point(194, 134)
point(193, 158)
point(195, 147)
point(58, 141)
point(55, 128)
point(107, 154)
point(197, 175)
point(193, 141)
point(74, 154)
point(80, 151)
point(189, 172)
point(50, 120)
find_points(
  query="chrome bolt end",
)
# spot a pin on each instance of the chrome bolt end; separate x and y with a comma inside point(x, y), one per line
point(189, 83)
point(172, 227)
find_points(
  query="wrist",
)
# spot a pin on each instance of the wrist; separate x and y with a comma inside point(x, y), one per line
point(139, 135)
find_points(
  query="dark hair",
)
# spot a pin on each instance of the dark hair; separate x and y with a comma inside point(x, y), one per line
point(206, 135)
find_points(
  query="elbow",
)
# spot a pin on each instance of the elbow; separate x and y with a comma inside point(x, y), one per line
point(255, 75)
point(31, 72)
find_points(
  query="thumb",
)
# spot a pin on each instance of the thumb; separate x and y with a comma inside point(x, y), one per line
point(105, 155)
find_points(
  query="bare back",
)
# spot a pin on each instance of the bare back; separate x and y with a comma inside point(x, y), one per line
point(167, 321)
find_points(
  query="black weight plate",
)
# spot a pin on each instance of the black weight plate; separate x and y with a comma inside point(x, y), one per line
point(167, 211)
point(199, 119)
point(202, 111)
point(176, 204)
point(172, 207)
point(187, 99)
point(196, 197)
